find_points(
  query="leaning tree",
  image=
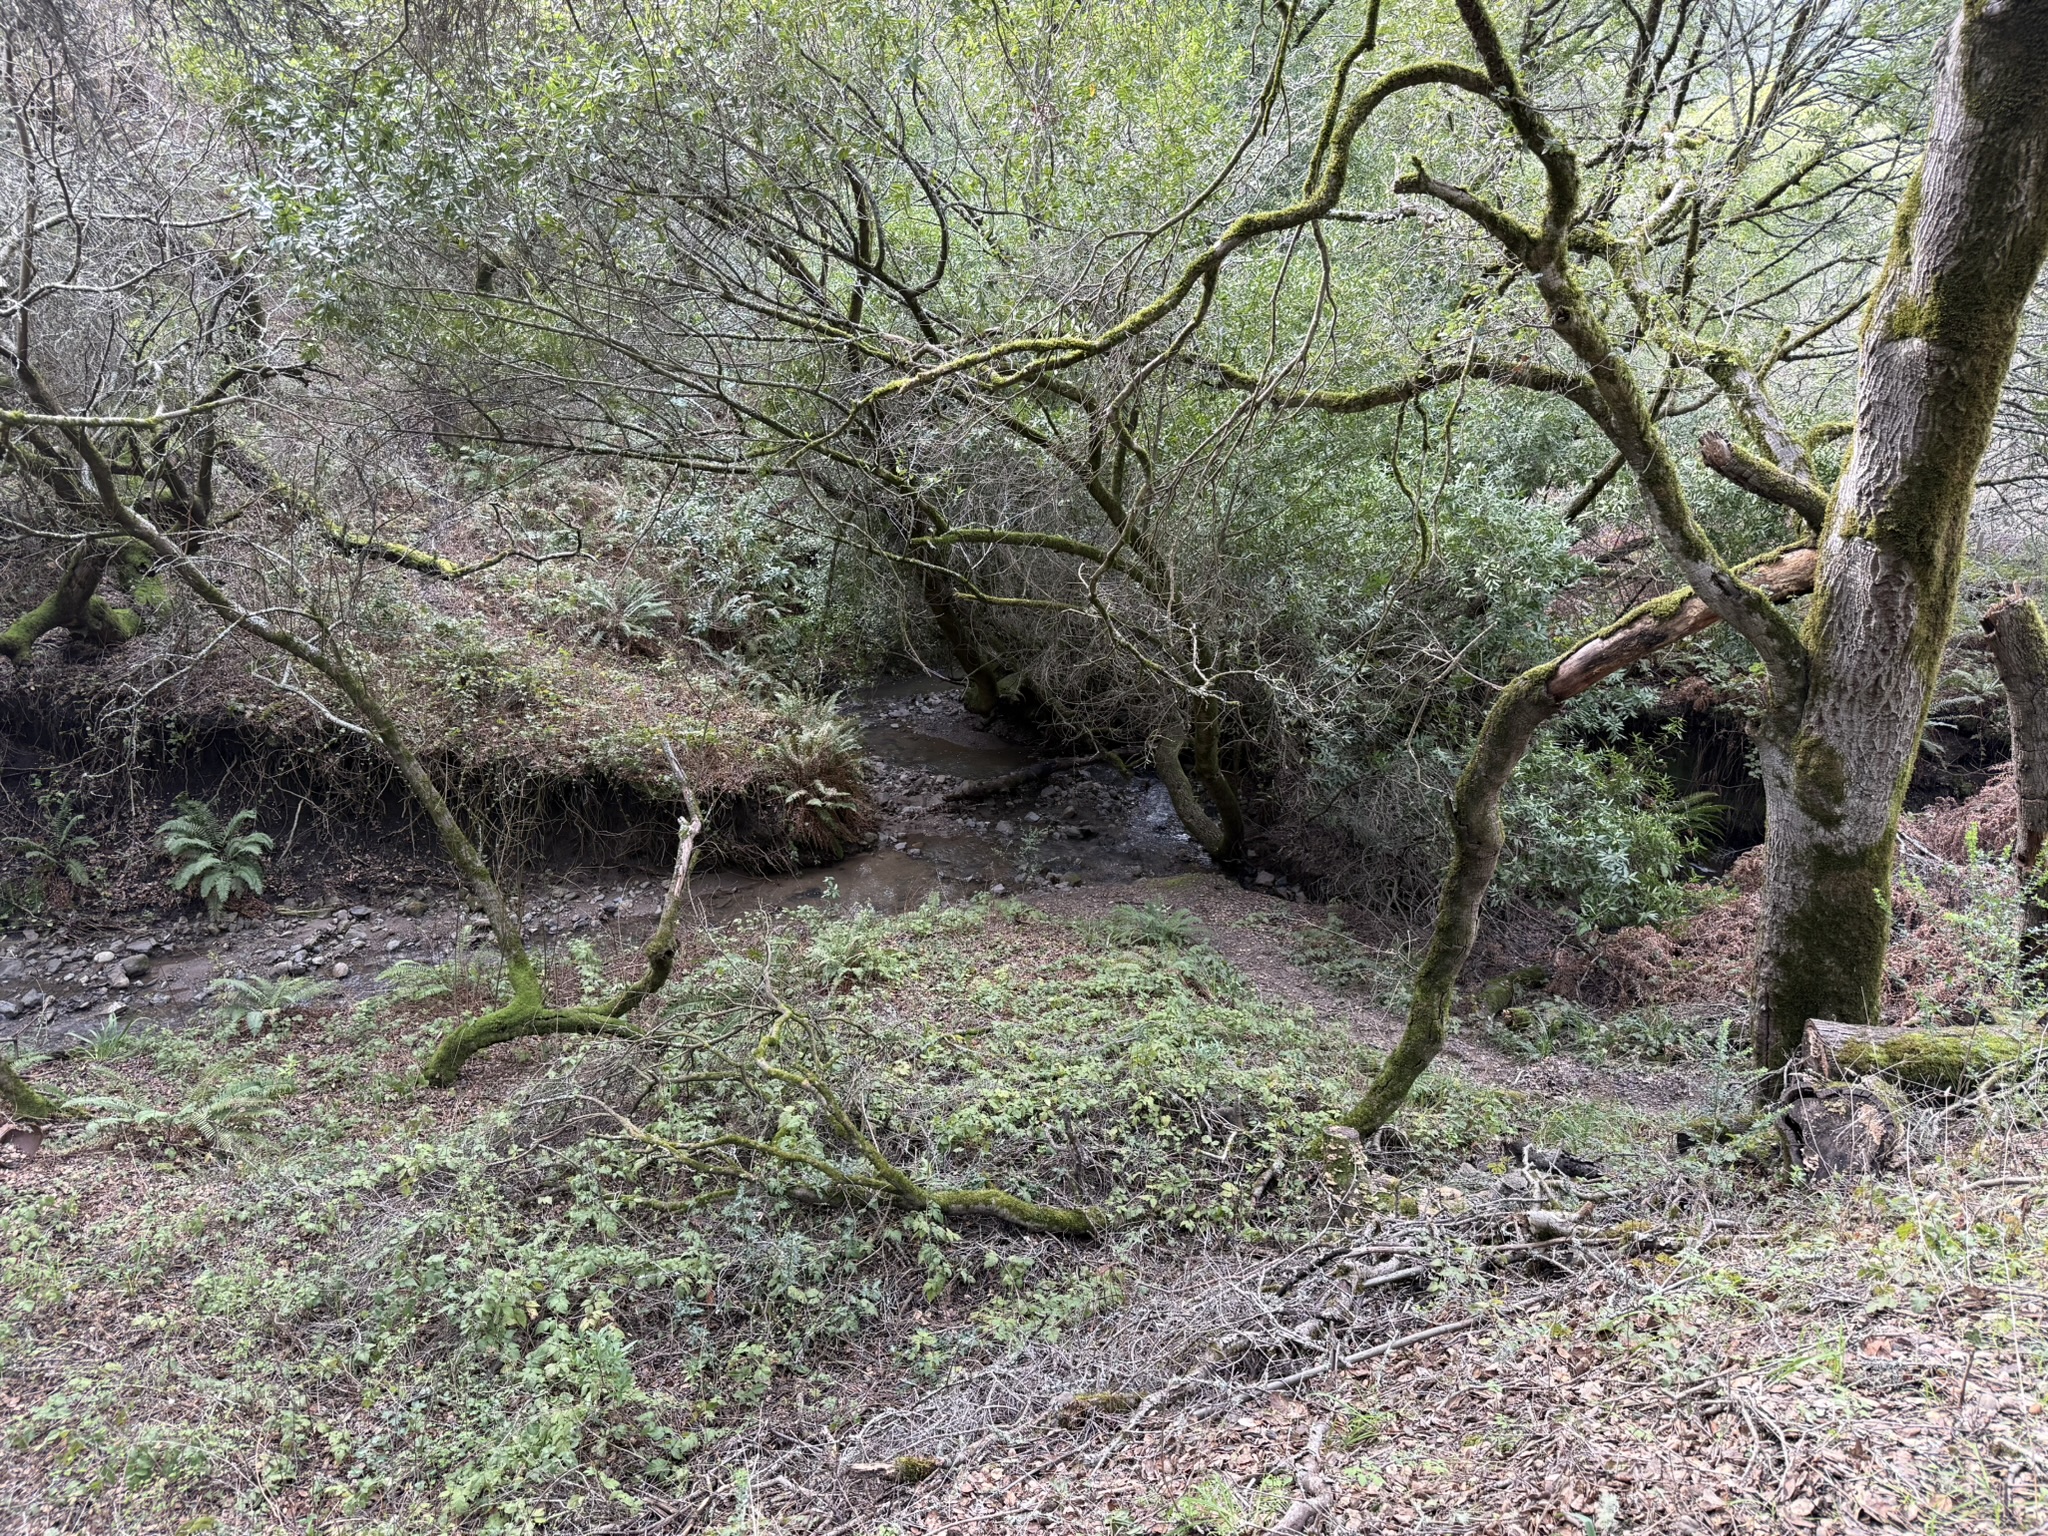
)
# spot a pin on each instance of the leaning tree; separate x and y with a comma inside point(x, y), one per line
point(1847, 690)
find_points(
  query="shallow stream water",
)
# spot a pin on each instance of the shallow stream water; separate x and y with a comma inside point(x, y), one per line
point(85, 977)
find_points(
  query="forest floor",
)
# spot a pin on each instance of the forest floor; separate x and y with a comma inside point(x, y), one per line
point(278, 1285)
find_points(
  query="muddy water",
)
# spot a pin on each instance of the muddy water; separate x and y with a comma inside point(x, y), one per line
point(65, 984)
point(1085, 825)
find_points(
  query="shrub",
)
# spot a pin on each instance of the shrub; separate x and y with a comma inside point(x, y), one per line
point(221, 860)
point(1599, 829)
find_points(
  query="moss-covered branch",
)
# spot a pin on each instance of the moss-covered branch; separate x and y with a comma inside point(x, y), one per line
point(528, 1013)
point(1760, 477)
point(21, 1101)
point(75, 605)
point(1477, 835)
point(820, 1179)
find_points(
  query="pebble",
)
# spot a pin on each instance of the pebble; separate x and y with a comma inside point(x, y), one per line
point(104, 957)
point(339, 970)
point(391, 946)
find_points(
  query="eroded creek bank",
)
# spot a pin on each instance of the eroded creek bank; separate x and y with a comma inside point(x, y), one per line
point(71, 978)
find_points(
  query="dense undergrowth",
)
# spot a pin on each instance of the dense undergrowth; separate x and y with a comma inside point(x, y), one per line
point(341, 1297)
point(275, 1282)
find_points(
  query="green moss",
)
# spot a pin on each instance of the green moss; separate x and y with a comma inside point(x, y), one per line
point(1948, 1061)
point(1827, 959)
point(1910, 317)
point(1821, 779)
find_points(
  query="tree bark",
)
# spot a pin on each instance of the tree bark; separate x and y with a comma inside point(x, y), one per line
point(1939, 335)
point(1477, 835)
point(75, 605)
point(2019, 649)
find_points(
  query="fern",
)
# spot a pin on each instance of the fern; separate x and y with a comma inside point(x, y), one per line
point(60, 852)
point(213, 1114)
point(256, 1003)
point(625, 612)
point(221, 860)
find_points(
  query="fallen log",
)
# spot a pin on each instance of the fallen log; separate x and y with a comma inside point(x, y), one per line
point(1020, 778)
point(1944, 1060)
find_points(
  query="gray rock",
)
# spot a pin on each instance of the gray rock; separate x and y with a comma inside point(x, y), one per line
point(12, 970)
point(141, 946)
point(135, 967)
point(104, 957)
point(339, 971)
point(9, 1008)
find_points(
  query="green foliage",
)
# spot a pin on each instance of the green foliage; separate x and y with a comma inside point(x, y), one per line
point(1149, 1059)
point(1599, 829)
point(816, 759)
point(226, 1104)
point(625, 611)
point(60, 853)
point(1152, 924)
point(256, 1004)
point(1553, 1026)
point(218, 861)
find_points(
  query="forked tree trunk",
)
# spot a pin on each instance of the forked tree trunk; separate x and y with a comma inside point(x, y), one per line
point(74, 604)
point(1221, 836)
point(2019, 647)
point(1967, 247)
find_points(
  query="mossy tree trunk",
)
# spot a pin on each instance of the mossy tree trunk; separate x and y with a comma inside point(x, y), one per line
point(1220, 835)
point(19, 1101)
point(74, 604)
point(2019, 647)
point(1477, 834)
point(1938, 338)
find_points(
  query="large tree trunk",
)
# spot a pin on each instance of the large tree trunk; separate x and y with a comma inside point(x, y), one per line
point(1966, 250)
point(2019, 646)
